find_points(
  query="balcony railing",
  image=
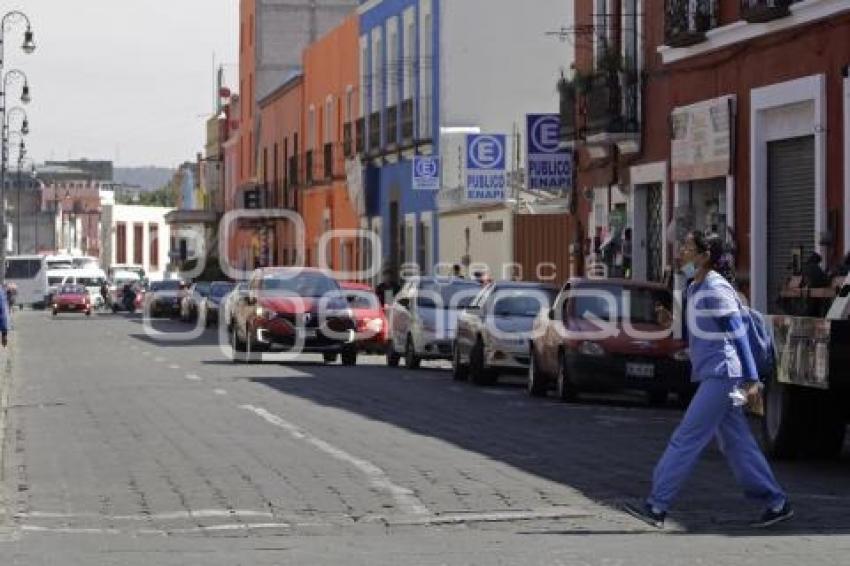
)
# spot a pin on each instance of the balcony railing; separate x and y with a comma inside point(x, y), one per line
point(360, 136)
point(612, 104)
point(760, 11)
point(308, 167)
point(391, 126)
point(407, 121)
point(375, 132)
point(292, 177)
point(687, 21)
point(348, 139)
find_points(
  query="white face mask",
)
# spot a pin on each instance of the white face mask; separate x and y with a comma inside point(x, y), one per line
point(689, 270)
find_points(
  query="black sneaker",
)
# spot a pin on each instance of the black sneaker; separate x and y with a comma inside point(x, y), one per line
point(645, 513)
point(771, 517)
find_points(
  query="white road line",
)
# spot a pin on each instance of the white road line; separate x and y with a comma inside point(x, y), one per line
point(159, 360)
point(158, 532)
point(193, 377)
point(170, 516)
point(219, 391)
point(484, 517)
point(173, 366)
point(404, 498)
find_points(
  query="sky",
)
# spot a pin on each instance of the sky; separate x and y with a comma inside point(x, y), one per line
point(125, 80)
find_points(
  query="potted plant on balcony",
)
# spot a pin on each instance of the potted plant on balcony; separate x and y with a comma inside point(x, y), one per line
point(760, 11)
point(686, 21)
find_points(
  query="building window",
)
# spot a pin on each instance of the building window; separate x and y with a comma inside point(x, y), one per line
point(311, 128)
point(153, 243)
point(377, 71)
point(138, 244)
point(426, 57)
point(392, 62)
point(364, 82)
point(349, 104)
point(120, 243)
point(329, 122)
point(409, 52)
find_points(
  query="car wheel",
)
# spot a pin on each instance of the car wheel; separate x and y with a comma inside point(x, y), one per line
point(237, 343)
point(55, 312)
point(537, 385)
point(393, 357)
point(565, 388)
point(349, 357)
point(88, 313)
point(478, 370)
point(330, 357)
point(411, 360)
point(460, 372)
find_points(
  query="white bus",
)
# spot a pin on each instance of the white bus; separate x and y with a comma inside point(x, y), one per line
point(29, 274)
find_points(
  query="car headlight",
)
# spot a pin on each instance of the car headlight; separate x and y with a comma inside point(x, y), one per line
point(265, 313)
point(683, 355)
point(375, 325)
point(591, 349)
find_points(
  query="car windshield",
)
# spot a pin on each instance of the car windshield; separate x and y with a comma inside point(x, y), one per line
point(451, 295)
point(363, 300)
point(302, 285)
point(90, 281)
point(520, 303)
point(53, 281)
point(202, 289)
point(616, 304)
point(72, 290)
point(167, 285)
point(218, 290)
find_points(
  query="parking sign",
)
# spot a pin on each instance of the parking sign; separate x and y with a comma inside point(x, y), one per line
point(426, 173)
point(550, 167)
point(485, 167)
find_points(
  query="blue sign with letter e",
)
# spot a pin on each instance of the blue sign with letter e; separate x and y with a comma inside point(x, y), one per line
point(426, 173)
point(550, 167)
point(485, 167)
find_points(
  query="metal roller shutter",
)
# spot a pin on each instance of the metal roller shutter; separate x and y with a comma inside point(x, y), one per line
point(791, 208)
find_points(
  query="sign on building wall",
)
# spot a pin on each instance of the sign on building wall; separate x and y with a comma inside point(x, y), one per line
point(486, 180)
point(550, 167)
point(701, 145)
point(426, 173)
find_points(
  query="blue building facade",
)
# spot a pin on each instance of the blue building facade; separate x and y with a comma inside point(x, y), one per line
point(399, 119)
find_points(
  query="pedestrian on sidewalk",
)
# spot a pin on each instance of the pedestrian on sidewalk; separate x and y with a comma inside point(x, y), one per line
point(722, 362)
point(5, 320)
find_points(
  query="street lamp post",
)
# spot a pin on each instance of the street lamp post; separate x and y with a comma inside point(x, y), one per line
point(10, 19)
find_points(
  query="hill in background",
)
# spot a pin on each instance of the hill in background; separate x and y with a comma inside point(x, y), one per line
point(148, 178)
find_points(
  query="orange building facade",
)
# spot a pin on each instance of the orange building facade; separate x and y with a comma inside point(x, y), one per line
point(331, 93)
point(280, 139)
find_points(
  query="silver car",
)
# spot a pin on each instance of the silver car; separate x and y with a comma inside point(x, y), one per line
point(423, 319)
point(494, 332)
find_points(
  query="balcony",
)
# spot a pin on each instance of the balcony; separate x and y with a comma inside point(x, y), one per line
point(375, 133)
point(308, 168)
point(612, 106)
point(347, 139)
point(407, 121)
point(360, 136)
point(761, 11)
point(391, 126)
point(687, 21)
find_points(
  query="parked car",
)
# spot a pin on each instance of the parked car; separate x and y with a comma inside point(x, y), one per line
point(192, 299)
point(229, 302)
point(212, 303)
point(423, 319)
point(494, 332)
point(164, 297)
point(72, 298)
point(294, 308)
point(369, 316)
point(594, 339)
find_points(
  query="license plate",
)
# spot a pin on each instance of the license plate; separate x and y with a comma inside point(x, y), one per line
point(640, 370)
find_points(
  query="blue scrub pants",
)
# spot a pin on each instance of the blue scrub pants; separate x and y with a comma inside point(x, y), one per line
point(711, 413)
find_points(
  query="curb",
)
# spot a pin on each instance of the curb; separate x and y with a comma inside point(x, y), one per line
point(6, 371)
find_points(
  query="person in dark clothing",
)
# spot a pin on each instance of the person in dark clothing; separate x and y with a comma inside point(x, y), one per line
point(813, 275)
point(388, 288)
point(457, 271)
point(844, 269)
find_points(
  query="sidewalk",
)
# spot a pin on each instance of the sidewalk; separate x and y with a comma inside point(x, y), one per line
point(7, 364)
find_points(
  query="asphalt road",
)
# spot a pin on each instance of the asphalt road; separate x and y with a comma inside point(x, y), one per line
point(122, 447)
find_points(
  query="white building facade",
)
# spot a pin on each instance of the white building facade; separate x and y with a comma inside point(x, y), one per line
point(136, 236)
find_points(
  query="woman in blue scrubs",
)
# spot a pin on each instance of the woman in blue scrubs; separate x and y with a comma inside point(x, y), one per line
point(721, 362)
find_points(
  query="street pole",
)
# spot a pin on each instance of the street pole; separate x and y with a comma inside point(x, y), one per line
point(28, 47)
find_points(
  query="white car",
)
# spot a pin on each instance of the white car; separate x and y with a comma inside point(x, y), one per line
point(423, 319)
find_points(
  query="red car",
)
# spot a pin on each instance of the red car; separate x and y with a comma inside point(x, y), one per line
point(369, 316)
point(604, 335)
point(72, 298)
